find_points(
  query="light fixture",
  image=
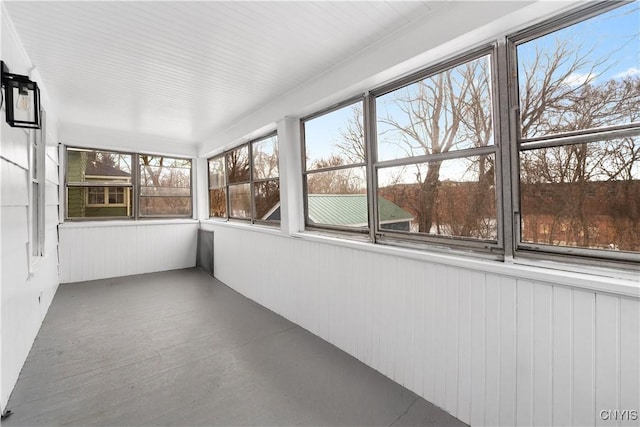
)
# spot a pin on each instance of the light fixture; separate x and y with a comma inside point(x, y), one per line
point(22, 100)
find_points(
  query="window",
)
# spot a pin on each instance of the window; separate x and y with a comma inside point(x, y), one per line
point(239, 182)
point(529, 147)
point(100, 184)
point(165, 186)
point(266, 182)
point(436, 156)
point(335, 161)
point(579, 135)
point(93, 180)
point(244, 182)
point(103, 196)
point(217, 188)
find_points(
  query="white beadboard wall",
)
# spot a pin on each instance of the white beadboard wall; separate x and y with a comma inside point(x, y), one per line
point(99, 250)
point(27, 283)
point(489, 348)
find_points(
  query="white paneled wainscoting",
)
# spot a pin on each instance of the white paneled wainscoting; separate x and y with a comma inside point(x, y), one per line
point(98, 250)
point(490, 343)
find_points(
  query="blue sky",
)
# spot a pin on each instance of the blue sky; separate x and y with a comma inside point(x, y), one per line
point(613, 34)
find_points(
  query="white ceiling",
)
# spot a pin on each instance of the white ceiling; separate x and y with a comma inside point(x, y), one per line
point(182, 69)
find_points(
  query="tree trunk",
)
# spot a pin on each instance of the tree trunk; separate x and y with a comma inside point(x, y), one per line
point(428, 197)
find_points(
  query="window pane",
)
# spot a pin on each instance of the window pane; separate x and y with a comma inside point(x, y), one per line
point(238, 164)
point(89, 202)
point(447, 111)
point(240, 201)
point(217, 203)
point(98, 166)
point(585, 195)
point(116, 195)
point(96, 196)
point(336, 138)
point(451, 198)
point(165, 206)
point(267, 199)
point(265, 158)
point(338, 198)
point(216, 172)
point(165, 186)
point(583, 76)
point(343, 181)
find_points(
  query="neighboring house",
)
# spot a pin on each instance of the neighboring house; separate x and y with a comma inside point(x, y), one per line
point(350, 210)
point(101, 200)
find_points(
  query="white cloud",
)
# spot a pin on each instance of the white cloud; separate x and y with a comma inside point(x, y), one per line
point(632, 71)
point(577, 79)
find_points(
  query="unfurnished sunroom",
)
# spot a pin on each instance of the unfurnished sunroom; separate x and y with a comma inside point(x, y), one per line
point(440, 198)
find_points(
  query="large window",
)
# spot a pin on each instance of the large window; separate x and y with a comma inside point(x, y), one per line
point(100, 184)
point(217, 188)
point(244, 182)
point(165, 186)
point(335, 160)
point(579, 135)
point(436, 156)
point(528, 147)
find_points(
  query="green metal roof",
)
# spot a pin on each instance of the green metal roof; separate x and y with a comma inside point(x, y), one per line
point(351, 210)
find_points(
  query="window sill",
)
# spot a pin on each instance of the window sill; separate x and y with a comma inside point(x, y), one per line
point(244, 225)
point(126, 223)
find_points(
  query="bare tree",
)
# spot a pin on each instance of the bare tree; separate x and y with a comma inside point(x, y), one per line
point(352, 144)
point(436, 115)
point(340, 181)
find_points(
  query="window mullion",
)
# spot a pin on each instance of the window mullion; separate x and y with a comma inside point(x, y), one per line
point(251, 183)
point(507, 176)
point(369, 114)
point(135, 176)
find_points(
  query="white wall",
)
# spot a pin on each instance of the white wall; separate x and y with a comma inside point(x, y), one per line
point(491, 343)
point(28, 284)
point(102, 249)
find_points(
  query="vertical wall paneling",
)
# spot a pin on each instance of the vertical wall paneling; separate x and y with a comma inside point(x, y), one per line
point(562, 366)
point(451, 350)
point(583, 338)
point(102, 251)
point(542, 354)
point(507, 406)
point(607, 360)
point(464, 346)
point(490, 349)
point(419, 329)
point(429, 378)
point(440, 337)
point(525, 352)
point(478, 350)
point(628, 358)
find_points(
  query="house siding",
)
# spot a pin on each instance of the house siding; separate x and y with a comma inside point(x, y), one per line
point(28, 283)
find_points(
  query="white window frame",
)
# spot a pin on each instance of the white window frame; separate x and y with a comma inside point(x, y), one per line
point(37, 185)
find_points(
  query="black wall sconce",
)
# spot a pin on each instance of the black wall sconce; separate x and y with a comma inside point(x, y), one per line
point(22, 100)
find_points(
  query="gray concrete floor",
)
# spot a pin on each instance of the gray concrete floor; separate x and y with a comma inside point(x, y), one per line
point(181, 348)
